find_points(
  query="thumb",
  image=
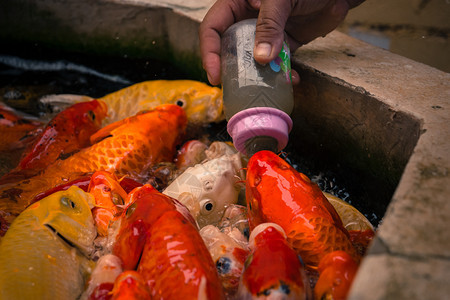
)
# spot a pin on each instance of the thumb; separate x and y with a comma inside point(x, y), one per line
point(269, 34)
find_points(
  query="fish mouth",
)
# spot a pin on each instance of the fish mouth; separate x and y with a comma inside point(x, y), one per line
point(62, 238)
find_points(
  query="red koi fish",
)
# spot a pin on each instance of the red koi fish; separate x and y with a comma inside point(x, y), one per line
point(109, 197)
point(147, 205)
point(68, 132)
point(159, 233)
point(277, 193)
point(103, 276)
point(337, 271)
point(176, 262)
point(272, 270)
point(130, 285)
point(128, 148)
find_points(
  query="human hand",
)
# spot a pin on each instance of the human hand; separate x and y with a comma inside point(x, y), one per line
point(303, 21)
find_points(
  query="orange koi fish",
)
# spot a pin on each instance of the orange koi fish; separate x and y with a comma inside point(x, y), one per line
point(14, 128)
point(277, 193)
point(337, 271)
point(67, 132)
point(129, 147)
point(158, 238)
point(109, 197)
point(272, 270)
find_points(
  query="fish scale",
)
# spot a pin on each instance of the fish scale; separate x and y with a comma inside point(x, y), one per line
point(323, 238)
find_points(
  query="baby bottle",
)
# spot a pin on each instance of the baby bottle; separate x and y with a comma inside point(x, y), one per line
point(257, 98)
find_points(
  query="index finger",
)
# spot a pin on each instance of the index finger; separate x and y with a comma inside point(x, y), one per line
point(221, 15)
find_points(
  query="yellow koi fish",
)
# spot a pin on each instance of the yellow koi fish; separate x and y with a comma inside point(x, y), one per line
point(44, 253)
point(201, 102)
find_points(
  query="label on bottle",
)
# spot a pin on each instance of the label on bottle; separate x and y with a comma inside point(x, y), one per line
point(248, 73)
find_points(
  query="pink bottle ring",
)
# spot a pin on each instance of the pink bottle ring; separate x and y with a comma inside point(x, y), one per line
point(259, 121)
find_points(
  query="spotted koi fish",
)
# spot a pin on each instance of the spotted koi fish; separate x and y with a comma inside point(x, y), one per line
point(272, 270)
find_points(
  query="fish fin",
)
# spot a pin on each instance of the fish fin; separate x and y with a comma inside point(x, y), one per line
point(188, 200)
point(61, 99)
point(87, 266)
point(105, 132)
point(56, 103)
point(203, 289)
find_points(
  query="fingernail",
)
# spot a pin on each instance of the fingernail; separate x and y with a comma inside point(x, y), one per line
point(263, 50)
point(209, 78)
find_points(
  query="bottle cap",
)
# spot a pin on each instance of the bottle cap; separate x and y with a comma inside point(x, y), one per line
point(259, 121)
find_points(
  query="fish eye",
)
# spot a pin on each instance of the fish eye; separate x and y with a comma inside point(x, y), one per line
point(116, 199)
point(285, 288)
point(223, 265)
point(91, 115)
point(68, 202)
point(246, 232)
point(207, 206)
point(130, 209)
point(180, 102)
point(248, 261)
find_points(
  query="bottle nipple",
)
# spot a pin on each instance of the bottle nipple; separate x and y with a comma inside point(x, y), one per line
point(259, 143)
